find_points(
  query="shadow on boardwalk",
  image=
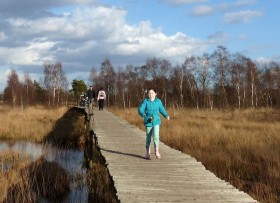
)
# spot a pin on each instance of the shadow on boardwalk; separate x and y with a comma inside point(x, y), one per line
point(176, 177)
point(122, 153)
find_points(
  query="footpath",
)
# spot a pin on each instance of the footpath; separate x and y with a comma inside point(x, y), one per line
point(176, 177)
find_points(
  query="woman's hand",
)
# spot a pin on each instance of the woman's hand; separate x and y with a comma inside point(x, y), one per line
point(168, 118)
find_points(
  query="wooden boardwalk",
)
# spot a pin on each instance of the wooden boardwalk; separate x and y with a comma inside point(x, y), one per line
point(176, 177)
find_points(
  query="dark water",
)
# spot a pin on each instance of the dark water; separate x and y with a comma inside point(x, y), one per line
point(69, 159)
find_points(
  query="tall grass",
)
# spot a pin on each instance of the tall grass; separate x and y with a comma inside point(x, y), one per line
point(27, 181)
point(32, 123)
point(241, 147)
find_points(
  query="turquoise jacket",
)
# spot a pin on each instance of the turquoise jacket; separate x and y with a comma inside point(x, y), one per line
point(150, 111)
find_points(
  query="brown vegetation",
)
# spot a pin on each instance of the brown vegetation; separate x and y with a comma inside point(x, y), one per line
point(27, 181)
point(32, 123)
point(68, 131)
point(100, 184)
point(241, 147)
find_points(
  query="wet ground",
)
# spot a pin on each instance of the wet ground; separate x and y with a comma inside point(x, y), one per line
point(71, 160)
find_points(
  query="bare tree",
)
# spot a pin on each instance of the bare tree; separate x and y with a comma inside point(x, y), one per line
point(221, 64)
point(54, 81)
point(142, 78)
point(93, 75)
point(203, 75)
point(189, 67)
point(179, 75)
point(158, 72)
point(108, 74)
point(12, 93)
point(154, 69)
point(252, 75)
point(29, 90)
point(238, 75)
point(121, 85)
point(134, 82)
point(164, 74)
point(48, 80)
point(268, 85)
point(276, 77)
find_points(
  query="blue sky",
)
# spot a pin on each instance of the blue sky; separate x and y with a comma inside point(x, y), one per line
point(82, 33)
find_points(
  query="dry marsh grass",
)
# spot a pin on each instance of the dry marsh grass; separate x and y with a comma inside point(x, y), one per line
point(32, 123)
point(6, 178)
point(21, 182)
point(241, 147)
point(27, 181)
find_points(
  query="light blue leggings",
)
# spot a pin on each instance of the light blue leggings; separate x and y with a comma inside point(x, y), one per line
point(152, 131)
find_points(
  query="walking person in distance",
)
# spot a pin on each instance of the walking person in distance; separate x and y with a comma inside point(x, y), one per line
point(91, 94)
point(101, 98)
point(150, 109)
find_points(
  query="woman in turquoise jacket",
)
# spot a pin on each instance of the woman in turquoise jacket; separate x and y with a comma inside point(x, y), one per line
point(149, 109)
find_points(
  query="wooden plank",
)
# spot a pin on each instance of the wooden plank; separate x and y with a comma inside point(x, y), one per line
point(176, 177)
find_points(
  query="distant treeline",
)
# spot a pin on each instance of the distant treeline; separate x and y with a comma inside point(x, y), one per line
point(216, 80)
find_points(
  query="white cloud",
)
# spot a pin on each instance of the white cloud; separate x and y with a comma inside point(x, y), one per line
point(245, 2)
point(264, 60)
point(81, 24)
point(35, 53)
point(30, 7)
point(156, 43)
point(182, 2)
point(84, 37)
point(2, 36)
point(204, 10)
point(218, 38)
point(241, 16)
point(3, 78)
point(96, 30)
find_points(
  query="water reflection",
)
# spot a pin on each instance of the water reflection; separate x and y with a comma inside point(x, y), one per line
point(69, 159)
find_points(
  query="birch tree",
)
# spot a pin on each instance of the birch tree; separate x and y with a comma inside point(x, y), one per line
point(221, 64)
point(238, 76)
point(29, 90)
point(252, 75)
point(189, 67)
point(178, 82)
point(108, 74)
point(12, 93)
point(55, 81)
point(121, 85)
point(203, 75)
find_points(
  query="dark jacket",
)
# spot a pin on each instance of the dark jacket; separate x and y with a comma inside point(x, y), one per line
point(91, 94)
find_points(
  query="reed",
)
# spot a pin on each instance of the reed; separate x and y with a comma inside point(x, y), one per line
point(22, 181)
point(32, 123)
point(62, 127)
point(6, 178)
point(239, 146)
point(29, 182)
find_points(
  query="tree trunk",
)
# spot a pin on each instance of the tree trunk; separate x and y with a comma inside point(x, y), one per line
point(238, 95)
point(53, 95)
